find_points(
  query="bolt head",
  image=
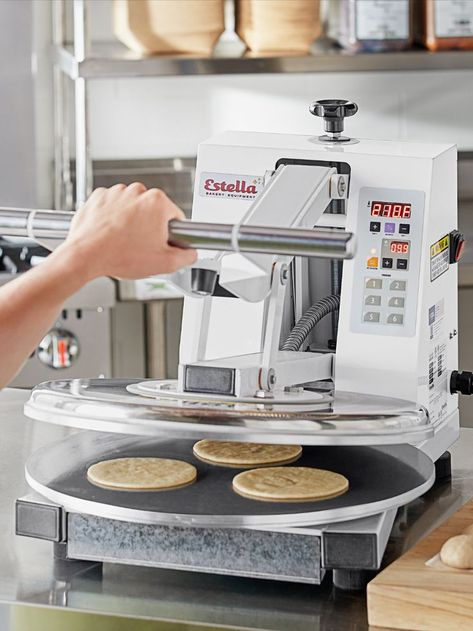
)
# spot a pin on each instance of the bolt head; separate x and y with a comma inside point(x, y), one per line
point(284, 274)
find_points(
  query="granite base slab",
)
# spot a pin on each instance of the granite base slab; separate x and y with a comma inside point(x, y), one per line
point(273, 555)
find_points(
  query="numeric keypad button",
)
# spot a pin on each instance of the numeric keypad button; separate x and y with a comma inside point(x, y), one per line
point(397, 285)
point(374, 301)
point(395, 318)
point(396, 301)
point(371, 316)
point(374, 283)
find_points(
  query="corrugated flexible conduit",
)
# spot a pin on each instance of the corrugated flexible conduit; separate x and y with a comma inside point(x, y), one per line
point(309, 320)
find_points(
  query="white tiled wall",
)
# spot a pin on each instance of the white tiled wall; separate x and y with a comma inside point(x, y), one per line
point(169, 116)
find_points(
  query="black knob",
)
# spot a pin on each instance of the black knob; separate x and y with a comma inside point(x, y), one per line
point(334, 112)
point(461, 382)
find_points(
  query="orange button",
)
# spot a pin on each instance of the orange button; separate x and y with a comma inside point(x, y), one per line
point(373, 262)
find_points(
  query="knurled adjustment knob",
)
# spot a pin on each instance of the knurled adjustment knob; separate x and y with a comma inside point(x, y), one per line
point(334, 112)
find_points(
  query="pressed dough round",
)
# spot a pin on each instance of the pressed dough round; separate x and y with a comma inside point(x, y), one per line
point(233, 454)
point(458, 552)
point(141, 473)
point(290, 484)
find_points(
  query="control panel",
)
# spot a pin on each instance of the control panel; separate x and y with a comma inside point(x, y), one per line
point(387, 265)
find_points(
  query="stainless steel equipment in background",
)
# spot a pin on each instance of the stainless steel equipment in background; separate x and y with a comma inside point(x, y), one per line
point(79, 342)
point(93, 335)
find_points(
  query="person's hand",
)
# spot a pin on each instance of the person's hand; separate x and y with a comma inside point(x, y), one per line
point(123, 232)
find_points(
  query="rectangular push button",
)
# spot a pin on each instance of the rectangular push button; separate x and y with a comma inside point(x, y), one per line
point(371, 316)
point(374, 283)
point(396, 301)
point(395, 318)
point(401, 264)
point(404, 228)
point(373, 301)
point(372, 262)
point(387, 263)
point(398, 285)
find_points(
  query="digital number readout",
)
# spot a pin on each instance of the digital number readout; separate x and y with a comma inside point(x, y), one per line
point(399, 247)
point(393, 210)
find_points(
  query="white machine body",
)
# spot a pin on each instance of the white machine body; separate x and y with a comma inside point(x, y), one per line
point(397, 328)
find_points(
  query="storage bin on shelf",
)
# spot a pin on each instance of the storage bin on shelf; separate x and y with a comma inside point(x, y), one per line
point(444, 24)
point(278, 25)
point(168, 26)
point(372, 25)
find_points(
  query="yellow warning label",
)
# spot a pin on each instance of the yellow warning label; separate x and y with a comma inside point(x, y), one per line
point(441, 245)
point(439, 257)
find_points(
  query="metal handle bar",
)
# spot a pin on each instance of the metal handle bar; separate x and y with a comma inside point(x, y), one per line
point(325, 243)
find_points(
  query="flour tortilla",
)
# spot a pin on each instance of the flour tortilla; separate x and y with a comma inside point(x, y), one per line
point(238, 455)
point(141, 474)
point(290, 484)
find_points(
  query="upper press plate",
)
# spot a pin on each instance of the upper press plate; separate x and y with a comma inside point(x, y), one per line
point(342, 418)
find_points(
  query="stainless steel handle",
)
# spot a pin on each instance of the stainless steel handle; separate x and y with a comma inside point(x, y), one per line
point(334, 244)
point(35, 224)
point(325, 243)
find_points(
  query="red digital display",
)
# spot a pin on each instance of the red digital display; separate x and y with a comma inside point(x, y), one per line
point(393, 210)
point(399, 247)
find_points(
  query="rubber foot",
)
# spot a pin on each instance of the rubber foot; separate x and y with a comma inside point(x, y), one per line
point(352, 580)
point(443, 468)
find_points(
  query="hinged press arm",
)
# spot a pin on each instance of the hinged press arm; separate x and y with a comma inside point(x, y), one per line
point(295, 198)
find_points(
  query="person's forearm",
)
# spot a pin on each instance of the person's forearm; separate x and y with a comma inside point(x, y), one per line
point(30, 304)
point(122, 232)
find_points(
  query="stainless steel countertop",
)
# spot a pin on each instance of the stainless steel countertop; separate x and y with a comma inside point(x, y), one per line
point(179, 600)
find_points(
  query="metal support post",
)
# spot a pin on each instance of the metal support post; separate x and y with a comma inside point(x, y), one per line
point(82, 148)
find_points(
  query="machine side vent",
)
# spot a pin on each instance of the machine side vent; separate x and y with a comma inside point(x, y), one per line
point(209, 379)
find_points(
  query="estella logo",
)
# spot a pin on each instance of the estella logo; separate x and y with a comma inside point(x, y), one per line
point(240, 186)
point(230, 185)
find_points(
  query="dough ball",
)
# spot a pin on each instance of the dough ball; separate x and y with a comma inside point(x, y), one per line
point(458, 552)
